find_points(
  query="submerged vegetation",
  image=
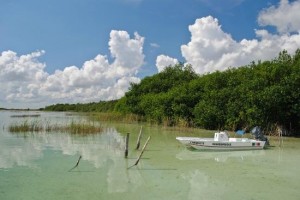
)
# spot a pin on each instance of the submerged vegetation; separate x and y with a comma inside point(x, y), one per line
point(38, 126)
point(264, 93)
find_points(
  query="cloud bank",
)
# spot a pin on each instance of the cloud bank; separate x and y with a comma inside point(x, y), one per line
point(285, 17)
point(25, 81)
point(210, 48)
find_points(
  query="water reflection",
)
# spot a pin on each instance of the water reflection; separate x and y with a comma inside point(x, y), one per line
point(35, 162)
point(218, 156)
point(22, 149)
point(201, 186)
point(16, 153)
point(105, 151)
point(120, 179)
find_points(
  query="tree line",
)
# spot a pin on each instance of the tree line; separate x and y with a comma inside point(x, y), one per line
point(101, 106)
point(262, 93)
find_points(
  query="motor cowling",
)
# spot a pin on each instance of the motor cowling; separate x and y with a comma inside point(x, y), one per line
point(258, 135)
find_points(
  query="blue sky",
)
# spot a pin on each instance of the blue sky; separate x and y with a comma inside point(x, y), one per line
point(61, 39)
point(73, 31)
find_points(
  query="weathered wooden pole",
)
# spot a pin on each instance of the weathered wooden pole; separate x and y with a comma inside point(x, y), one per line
point(280, 137)
point(126, 145)
point(139, 139)
point(76, 163)
point(140, 156)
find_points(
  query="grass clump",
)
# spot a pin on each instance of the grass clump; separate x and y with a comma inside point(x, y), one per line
point(72, 127)
point(26, 126)
point(115, 117)
point(82, 128)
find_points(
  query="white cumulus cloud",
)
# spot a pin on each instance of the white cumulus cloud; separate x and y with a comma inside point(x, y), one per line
point(163, 61)
point(20, 76)
point(211, 49)
point(285, 17)
point(23, 79)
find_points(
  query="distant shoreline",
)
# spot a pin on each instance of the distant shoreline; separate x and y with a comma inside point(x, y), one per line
point(21, 109)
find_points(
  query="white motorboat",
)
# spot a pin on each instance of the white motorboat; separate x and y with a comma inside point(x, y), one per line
point(222, 142)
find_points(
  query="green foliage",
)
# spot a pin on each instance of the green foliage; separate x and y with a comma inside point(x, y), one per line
point(263, 93)
point(164, 97)
point(102, 106)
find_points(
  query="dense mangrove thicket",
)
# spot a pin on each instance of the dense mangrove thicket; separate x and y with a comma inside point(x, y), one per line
point(102, 106)
point(263, 93)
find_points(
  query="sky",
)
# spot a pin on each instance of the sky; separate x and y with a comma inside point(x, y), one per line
point(80, 51)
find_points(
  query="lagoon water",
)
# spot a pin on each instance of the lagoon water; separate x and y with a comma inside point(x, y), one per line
point(36, 165)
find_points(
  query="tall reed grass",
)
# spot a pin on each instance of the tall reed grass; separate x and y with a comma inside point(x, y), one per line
point(26, 126)
point(132, 118)
point(116, 117)
point(73, 127)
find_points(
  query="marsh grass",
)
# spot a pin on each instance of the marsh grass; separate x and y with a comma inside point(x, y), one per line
point(74, 127)
point(132, 118)
point(26, 126)
point(116, 117)
point(82, 128)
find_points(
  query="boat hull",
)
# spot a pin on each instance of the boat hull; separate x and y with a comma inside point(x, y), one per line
point(230, 145)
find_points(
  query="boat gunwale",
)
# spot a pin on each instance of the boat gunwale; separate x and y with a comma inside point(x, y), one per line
point(193, 143)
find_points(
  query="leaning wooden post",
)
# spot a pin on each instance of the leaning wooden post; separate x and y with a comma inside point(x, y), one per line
point(140, 156)
point(126, 145)
point(76, 163)
point(139, 139)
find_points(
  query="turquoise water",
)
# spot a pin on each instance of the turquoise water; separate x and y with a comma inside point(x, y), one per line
point(36, 166)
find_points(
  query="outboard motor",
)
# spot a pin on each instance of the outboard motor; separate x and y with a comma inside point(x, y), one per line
point(258, 135)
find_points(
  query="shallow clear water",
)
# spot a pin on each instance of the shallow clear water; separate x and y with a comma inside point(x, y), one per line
point(36, 166)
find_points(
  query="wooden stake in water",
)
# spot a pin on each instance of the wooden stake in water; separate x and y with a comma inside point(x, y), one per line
point(76, 163)
point(126, 145)
point(140, 156)
point(139, 139)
